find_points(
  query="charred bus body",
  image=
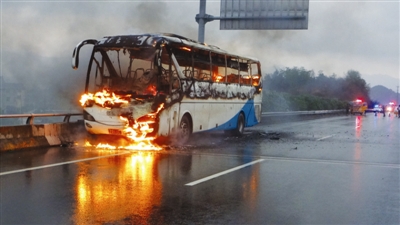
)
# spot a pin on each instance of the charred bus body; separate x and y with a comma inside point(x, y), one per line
point(177, 85)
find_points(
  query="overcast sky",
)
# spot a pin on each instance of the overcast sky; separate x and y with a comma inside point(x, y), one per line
point(38, 37)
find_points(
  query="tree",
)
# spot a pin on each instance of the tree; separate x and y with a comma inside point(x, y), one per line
point(354, 87)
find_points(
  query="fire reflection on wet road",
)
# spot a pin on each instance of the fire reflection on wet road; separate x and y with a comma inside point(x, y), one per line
point(332, 170)
point(120, 186)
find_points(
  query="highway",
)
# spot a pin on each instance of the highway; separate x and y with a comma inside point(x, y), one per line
point(340, 169)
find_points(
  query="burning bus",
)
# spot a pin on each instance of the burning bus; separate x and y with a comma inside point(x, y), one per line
point(165, 85)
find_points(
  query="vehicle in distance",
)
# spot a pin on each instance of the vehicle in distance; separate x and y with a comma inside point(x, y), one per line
point(358, 107)
point(377, 108)
point(390, 107)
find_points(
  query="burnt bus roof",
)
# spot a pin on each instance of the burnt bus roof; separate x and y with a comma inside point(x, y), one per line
point(152, 40)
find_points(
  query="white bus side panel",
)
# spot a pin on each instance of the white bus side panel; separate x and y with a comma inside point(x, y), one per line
point(169, 119)
point(210, 114)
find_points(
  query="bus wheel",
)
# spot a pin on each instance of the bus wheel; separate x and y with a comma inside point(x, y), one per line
point(240, 125)
point(185, 129)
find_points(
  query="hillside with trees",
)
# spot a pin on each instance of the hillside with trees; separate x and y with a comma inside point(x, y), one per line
point(382, 95)
point(297, 89)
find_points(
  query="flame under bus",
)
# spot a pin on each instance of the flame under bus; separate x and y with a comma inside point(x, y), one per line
point(175, 85)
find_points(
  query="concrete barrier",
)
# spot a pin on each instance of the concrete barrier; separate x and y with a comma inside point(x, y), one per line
point(41, 135)
point(55, 134)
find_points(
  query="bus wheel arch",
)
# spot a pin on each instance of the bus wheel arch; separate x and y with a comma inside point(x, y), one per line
point(185, 128)
point(239, 130)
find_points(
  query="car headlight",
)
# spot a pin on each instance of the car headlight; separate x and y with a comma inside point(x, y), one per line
point(87, 116)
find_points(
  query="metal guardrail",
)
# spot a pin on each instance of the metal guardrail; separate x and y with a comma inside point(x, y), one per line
point(298, 113)
point(30, 117)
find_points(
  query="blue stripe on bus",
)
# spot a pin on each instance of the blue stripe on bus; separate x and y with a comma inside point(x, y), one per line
point(249, 115)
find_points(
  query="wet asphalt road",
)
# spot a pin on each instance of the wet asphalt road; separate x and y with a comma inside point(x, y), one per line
point(333, 170)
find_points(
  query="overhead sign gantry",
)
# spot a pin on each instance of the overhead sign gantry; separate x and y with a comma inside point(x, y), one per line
point(256, 15)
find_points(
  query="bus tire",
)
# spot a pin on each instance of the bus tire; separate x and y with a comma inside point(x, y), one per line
point(238, 131)
point(185, 129)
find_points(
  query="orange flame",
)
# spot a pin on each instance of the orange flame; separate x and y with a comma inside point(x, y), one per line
point(139, 130)
point(135, 131)
point(104, 98)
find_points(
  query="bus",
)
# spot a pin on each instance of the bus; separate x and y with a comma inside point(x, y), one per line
point(175, 85)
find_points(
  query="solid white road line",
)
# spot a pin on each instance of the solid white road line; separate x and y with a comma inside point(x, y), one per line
point(319, 139)
point(223, 172)
point(59, 164)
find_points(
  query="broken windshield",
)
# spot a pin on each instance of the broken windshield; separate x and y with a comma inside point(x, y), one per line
point(124, 70)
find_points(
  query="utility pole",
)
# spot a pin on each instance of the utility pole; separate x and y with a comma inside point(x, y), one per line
point(202, 18)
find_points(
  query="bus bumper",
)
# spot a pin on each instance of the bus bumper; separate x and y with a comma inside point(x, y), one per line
point(99, 128)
